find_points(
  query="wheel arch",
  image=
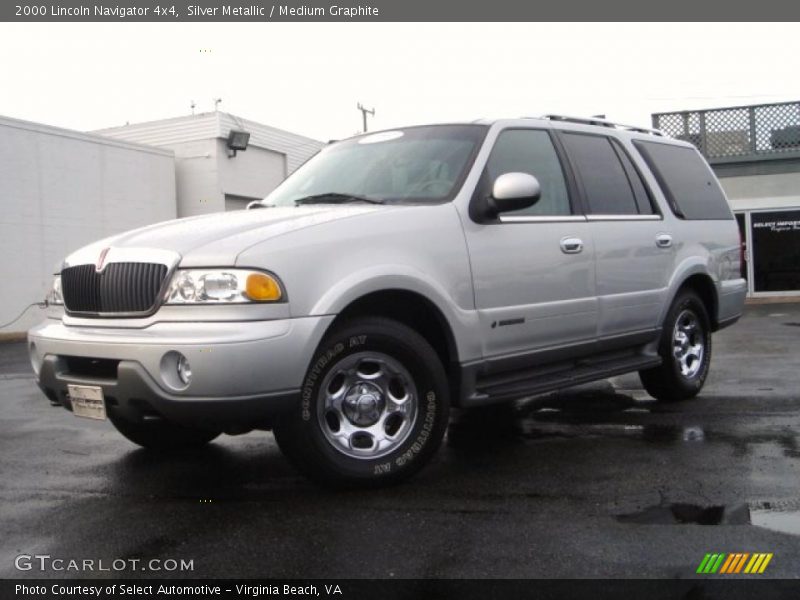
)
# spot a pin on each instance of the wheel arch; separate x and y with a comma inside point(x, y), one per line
point(416, 311)
point(704, 287)
point(696, 277)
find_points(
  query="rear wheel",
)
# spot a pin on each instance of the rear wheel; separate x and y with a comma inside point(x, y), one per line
point(162, 435)
point(685, 350)
point(374, 406)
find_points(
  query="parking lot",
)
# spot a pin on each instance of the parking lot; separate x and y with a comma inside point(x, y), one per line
point(597, 481)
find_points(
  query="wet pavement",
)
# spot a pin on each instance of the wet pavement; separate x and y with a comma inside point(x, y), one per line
point(596, 481)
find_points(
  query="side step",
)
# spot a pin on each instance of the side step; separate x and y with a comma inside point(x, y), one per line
point(517, 385)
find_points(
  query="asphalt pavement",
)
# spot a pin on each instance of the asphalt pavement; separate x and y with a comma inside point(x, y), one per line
point(596, 481)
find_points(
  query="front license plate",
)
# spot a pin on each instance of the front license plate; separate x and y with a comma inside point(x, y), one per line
point(87, 401)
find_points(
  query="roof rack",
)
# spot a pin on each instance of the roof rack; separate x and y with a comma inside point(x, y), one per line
point(601, 123)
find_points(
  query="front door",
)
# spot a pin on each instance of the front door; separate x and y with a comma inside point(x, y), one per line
point(533, 269)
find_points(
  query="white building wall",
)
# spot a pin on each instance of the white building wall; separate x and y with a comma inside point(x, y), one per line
point(776, 190)
point(297, 148)
point(197, 178)
point(252, 173)
point(207, 179)
point(60, 190)
point(168, 132)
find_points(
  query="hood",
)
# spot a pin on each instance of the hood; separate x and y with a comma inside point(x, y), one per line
point(217, 239)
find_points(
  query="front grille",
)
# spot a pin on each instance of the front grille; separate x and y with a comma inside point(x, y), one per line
point(123, 287)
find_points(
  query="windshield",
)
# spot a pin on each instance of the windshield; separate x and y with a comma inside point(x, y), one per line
point(417, 164)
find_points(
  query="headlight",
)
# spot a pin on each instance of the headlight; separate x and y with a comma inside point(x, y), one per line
point(223, 286)
point(54, 296)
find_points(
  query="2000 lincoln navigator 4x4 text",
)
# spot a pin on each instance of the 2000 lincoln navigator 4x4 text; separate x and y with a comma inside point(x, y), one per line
point(395, 275)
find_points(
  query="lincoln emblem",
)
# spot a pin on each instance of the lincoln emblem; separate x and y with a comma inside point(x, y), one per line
point(101, 260)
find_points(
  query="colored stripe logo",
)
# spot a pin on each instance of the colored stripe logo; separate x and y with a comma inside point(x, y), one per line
point(735, 563)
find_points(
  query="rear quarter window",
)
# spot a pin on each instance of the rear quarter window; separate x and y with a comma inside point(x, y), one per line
point(689, 184)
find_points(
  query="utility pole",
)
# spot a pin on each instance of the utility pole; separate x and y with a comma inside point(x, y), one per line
point(364, 112)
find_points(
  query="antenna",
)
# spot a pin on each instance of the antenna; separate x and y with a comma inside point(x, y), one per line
point(364, 112)
point(217, 103)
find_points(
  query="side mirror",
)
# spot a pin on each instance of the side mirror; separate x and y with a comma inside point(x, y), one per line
point(513, 191)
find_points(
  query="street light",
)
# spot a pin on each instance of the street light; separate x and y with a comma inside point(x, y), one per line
point(237, 140)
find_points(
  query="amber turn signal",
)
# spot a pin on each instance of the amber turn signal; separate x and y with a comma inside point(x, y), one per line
point(262, 288)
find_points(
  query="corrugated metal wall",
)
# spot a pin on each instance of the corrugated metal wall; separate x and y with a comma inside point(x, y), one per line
point(60, 190)
point(166, 132)
point(297, 148)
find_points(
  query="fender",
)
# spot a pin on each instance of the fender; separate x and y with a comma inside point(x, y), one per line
point(463, 322)
point(692, 265)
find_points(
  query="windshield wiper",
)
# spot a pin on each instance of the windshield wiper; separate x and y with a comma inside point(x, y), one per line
point(335, 198)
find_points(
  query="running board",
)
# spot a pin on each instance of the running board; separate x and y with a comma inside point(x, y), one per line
point(520, 385)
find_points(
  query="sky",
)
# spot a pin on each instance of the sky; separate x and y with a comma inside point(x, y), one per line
point(309, 77)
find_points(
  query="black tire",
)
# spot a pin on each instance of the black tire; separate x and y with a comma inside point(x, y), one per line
point(306, 435)
point(673, 380)
point(162, 436)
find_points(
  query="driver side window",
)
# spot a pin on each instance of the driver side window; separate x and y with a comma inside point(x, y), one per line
point(531, 151)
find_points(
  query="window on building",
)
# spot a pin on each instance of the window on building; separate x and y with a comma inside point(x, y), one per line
point(776, 251)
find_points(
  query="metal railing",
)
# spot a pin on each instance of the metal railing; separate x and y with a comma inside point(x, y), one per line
point(755, 132)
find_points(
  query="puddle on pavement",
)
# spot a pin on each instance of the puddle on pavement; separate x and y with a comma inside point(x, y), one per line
point(574, 413)
point(783, 521)
point(783, 517)
point(605, 412)
point(680, 514)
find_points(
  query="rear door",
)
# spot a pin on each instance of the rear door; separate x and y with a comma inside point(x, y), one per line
point(634, 249)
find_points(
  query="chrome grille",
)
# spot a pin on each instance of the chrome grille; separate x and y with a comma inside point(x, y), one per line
point(120, 288)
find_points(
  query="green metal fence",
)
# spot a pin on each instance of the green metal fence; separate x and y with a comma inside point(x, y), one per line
point(737, 133)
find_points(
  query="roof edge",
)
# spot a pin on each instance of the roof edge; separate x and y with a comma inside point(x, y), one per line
point(91, 137)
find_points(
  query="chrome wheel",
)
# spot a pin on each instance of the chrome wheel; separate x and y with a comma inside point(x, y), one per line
point(688, 343)
point(367, 405)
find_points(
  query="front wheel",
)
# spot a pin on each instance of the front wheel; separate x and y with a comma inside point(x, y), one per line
point(161, 435)
point(685, 350)
point(374, 406)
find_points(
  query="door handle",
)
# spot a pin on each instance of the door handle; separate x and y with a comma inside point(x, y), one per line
point(663, 240)
point(571, 245)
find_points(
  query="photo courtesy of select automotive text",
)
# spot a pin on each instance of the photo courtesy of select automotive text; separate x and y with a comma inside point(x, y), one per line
point(399, 300)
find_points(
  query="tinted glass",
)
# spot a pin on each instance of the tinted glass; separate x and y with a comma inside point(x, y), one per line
point(688, 183)
point(608, 190)
point(776, 251)
point(531, 151)
point(641, 193)
point(417, 164)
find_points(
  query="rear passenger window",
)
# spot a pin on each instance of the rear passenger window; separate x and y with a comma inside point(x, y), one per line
point(688, 183)
point(643, 199)
point(605, 182)
point(531, 151)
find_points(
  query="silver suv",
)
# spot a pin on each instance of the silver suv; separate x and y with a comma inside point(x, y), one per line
point(397, 274)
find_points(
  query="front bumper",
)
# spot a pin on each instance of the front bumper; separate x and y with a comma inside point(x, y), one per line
point(243, 373)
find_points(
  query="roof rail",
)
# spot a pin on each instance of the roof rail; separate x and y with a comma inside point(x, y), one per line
point(601, 123)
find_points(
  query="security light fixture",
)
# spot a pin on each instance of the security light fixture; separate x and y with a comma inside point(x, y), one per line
point(237, 140)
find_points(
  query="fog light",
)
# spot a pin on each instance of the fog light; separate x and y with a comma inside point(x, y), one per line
point(184, 369)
